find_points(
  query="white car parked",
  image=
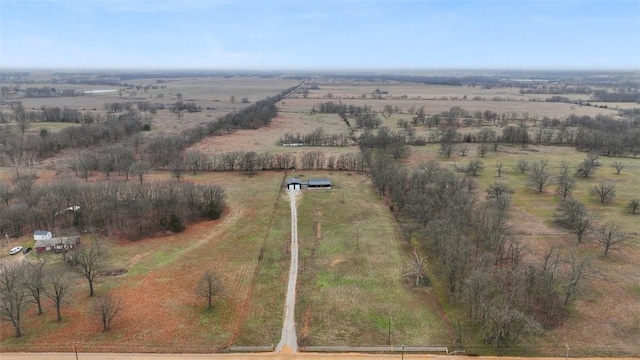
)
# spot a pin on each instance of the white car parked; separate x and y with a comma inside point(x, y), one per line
point(15, 250)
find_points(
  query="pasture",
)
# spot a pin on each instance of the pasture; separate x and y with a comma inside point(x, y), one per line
point(352, 289)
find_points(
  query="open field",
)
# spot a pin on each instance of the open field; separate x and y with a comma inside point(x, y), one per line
point(353, 291)
point(248, 249)
point(351, 288)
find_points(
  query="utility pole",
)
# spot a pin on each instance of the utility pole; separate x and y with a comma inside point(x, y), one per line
point(75, 347)
point(389, 335)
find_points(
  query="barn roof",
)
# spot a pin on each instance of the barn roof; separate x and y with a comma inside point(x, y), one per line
point(319, 182)
point(295, 180)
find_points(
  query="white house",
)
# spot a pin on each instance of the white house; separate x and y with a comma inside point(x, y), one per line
point(42, 235)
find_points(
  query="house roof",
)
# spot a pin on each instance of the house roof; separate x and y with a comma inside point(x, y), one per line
point(41, 232)
point(69, 240)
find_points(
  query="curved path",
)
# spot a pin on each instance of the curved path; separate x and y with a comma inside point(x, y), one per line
point(289, 340)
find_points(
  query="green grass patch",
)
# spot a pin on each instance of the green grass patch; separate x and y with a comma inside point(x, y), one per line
point(352, 280)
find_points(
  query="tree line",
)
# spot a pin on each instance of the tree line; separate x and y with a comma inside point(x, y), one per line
point(318, 137)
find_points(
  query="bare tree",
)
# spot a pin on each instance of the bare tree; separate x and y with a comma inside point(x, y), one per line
point(447, 148)
point(610, 236)
point(417, 267)
point(5, 193)
point(482, 149)
point(107, 307)
point(499, 189)
point(633, 206)
point(475, 167)
point(588, 165)
point(499, 165)
point(565, 185)
point(522, 166)
point(578, 269)
point(604, 191)
point(249, 161)
point(13, 295)
point(57, 288)
point(34, 281)
point(177, 168)
point(574, 215)
point(89, 261)
point(208, 287)
point(463, 150)
point(539, 178)
point(618, 166)
point(195, 160)
point(139, 169)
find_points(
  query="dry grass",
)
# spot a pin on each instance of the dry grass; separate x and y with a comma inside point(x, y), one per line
point(161, 310)
point(351, 256)
point(352, 290)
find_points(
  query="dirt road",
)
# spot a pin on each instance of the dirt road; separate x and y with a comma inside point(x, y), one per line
point(289, 340)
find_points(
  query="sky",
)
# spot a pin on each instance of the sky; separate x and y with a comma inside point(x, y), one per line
point(320, 34)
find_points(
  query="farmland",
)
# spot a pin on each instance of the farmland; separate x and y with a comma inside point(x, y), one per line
point(355, 245)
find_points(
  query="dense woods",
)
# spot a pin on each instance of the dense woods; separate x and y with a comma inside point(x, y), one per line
point(129, 209)
point(478, 259)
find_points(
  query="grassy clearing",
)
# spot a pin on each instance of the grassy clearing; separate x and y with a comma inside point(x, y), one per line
point(352, 261)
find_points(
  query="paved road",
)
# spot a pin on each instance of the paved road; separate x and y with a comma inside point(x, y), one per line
point(289, 340)
point(271, 356)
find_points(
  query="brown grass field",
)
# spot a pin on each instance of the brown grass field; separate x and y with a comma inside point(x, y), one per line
point(351, 290)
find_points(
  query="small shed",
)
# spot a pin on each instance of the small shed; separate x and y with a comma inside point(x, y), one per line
point(295, 183)
point(57, 244)
point(319, 184)
point(42, 235)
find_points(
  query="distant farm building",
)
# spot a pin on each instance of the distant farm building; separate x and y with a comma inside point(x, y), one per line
point(319, 184)
point(297, 184)
point(42, 235)
point(57, 244)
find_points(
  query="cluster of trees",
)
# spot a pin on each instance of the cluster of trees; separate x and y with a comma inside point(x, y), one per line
point(316, 138)
point(502, 294)
point(144, 106)
point(602, 134)
point(621, 95)
point(188, 106)
point(131, 209)
point(44, 278)
point(16, 148)
point(46, 114)
point(387, 141)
